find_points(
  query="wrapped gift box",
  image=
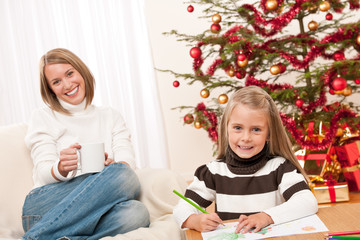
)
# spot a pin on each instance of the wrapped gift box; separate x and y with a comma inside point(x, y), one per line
point(349, 158)
point(313, 162)
point(329, 193)
point(348, 154)
point(352, 176)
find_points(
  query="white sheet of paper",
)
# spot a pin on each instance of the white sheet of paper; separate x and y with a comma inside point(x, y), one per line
point(310, 224)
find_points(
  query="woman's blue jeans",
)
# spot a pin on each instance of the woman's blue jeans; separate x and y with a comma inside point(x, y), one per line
point(90, 206)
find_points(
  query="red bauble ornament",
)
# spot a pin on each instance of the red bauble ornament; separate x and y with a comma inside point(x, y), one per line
point(282, 67)
point(338, 84)
point(215, 28)
point(241, 73)
point(299, 102)
point(331, 92)
point(176, 83)
point(241, 57)
point(189, 118)
point(190, 8)
point(338, 56)
point(357, 81)
point(329, 16)
point(195, 52)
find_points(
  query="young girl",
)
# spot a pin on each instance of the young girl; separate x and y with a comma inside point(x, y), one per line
point(256, 177)
point(88, 206)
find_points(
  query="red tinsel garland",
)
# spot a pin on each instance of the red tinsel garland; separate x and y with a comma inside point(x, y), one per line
point(317, 49)
point(211, 69)
point(250, 80)
point(290, 125)
point(211, 118)
point(277, 23)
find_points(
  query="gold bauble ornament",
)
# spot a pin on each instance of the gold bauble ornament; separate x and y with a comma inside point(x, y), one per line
point(324, 6)
point(271, 5)
point(347, 91)
point(231, 72)
point(275, 69)
point(204, 93)
point(339, 132)
point(216, 18)
point(243, 63)
point(358, 39)
point(223, 98)
point(197, 124)
point(339, 92)
point(313, 25)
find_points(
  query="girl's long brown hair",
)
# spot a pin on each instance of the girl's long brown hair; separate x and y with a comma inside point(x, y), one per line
point(256, 98)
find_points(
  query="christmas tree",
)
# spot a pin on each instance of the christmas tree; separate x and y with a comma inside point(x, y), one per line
point(304, 53)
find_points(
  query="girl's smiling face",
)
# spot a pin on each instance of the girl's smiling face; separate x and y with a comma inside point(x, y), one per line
point(247, 131)
point(66, 82)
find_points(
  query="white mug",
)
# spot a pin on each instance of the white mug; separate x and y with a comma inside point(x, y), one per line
point(91, 157)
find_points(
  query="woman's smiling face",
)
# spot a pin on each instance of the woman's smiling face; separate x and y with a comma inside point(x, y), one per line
point(247, 131)
point(66, 82)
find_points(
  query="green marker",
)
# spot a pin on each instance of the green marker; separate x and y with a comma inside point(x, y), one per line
point(192, 203)
point(195, 205)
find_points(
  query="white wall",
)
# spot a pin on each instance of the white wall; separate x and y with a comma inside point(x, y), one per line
point(188, 147)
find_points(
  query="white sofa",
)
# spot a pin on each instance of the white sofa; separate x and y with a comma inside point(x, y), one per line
point(16, 182)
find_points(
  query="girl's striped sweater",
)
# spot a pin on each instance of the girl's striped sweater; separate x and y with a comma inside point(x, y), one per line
point(277, 189)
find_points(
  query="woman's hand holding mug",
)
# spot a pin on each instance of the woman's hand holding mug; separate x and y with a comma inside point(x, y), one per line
point(88, 158)
point(68, 159)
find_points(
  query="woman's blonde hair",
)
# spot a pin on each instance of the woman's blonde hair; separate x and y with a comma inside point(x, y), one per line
point(256, 98)
point(61, 55)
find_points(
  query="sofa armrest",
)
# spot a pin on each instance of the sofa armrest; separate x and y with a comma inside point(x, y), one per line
point(15, 178)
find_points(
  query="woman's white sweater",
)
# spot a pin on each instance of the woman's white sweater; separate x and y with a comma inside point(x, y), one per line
point(49, 132)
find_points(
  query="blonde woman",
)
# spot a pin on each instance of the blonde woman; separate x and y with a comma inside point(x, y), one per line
point(256, 177)
point(64, 205)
